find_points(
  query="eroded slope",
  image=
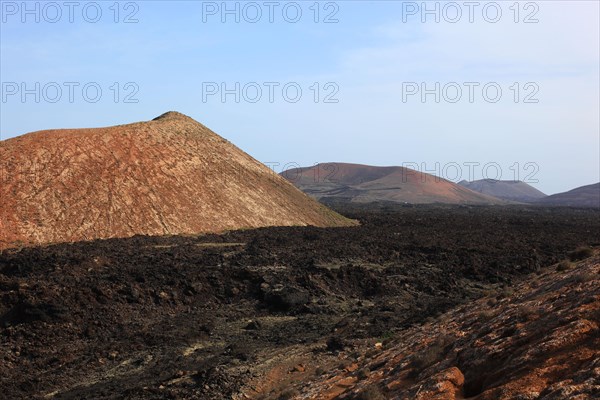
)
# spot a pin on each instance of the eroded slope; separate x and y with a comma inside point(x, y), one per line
point(171, 175)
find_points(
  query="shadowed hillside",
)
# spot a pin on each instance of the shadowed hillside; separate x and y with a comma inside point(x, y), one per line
point(506, 190)
point(584, 196)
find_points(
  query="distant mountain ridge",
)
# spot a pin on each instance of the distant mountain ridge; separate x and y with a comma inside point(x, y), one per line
point(583, 196)
point(507, 190)
point(357, 183)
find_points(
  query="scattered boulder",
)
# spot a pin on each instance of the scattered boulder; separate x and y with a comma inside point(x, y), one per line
point(285, 298)
point(253, 325)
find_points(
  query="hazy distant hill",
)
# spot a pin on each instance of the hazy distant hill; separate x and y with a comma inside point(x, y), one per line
point(507, 190)
point(343, 182)
point(584, 196)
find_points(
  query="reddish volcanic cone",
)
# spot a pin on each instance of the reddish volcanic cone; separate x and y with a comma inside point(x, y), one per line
point(365, 183)
point(171, 175)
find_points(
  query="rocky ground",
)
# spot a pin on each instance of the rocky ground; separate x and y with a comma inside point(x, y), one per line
point(358, 312)
point(541, 341)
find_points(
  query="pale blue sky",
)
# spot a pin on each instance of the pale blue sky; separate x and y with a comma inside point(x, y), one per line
point(370, 57)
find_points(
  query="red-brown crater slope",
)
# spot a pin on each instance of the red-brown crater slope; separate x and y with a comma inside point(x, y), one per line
point(171, 175)
point(356, 183)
